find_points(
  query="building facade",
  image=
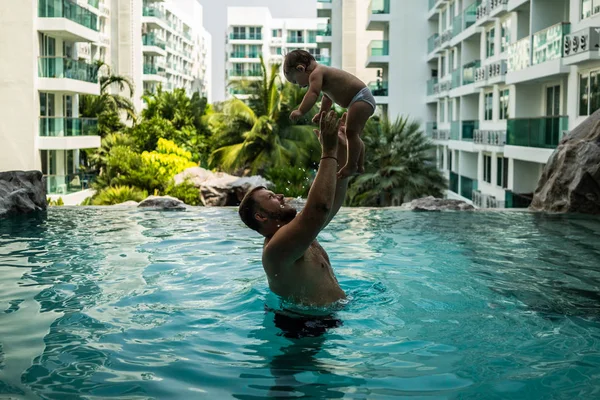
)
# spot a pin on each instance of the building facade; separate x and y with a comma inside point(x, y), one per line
point(53, 47)
point(252, 32)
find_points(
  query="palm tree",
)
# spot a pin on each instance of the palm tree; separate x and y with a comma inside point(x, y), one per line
point(258, 134)
point(400, 164)
point(107, 107)
point(176, 106)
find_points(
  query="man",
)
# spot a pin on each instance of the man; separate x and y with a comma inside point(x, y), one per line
point(297, 267)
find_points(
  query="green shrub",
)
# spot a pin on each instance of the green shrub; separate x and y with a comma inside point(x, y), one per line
point(185, 192)
point(118, 195)
point(290, 181)
point(55, 203)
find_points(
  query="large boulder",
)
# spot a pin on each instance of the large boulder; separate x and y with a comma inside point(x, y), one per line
point(219, 188)
point(22, 192)
point(162, 203)
point(571, 179)
point(433, 204)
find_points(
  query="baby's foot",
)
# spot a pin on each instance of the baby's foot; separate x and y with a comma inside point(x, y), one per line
point(361, 169)
point(347, 172)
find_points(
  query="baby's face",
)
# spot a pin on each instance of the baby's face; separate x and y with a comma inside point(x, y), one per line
point(297, 77)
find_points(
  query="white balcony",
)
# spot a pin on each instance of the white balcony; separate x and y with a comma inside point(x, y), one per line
point(324, 8)
point(378, 15)
point(581, 47)
point(68, 142)
point(66, 29)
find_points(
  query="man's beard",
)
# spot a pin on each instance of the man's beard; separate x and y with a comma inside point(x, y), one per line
point(284, 215)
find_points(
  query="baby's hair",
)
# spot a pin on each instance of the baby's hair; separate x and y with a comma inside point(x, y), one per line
point(297, 57)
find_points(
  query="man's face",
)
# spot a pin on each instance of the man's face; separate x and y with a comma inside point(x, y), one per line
point(274, 206)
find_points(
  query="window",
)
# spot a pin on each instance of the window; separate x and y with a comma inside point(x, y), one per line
point(487, 168)
point(451, 110)
point(502, 172)
point(489, 106)
point(589, 8)
point(277, 33)
point(442, 66)
point(238, 69)
point(489, 42)
point(449, 160)
point(589, 92)
point(553, 100)
point(505, 35)
point(46, 104)
point(254, 51)
point(504, 96)
point(295, 37)
point(451, 57)
point(442, 111)
point(443, 18)
point(255, 33)
point(239, 32)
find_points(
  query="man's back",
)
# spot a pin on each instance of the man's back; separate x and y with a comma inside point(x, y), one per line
point(309, 281)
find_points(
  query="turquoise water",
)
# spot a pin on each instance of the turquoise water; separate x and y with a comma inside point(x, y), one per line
point(106, 303)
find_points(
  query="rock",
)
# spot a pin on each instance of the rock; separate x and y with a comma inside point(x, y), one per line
point(163, 203)
point(432, 204)
point(22, 192)
point(130, 203)
point(570, 181)
point(219, 188)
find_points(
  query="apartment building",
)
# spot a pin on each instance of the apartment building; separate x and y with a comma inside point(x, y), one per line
point(52, 47)
point(252, 32)
point(346, 36)
point(508, 79)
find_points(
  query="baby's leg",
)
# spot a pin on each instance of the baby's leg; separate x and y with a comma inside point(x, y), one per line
point(361, 158)
point(358, 114)
point(326, 104)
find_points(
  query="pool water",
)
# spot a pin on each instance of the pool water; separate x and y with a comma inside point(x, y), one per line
point(132, 304)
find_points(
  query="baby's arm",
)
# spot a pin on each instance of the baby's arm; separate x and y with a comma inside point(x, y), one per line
point(326, 104)
point(310, 98)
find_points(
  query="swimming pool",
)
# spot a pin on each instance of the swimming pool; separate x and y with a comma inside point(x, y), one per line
point(108, 302)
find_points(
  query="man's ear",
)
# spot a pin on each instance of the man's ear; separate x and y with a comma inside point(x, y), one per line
point(259, 217)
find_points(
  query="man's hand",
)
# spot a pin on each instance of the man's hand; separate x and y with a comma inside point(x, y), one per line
point(342, 140)
point(295, 115)
point(330, 126)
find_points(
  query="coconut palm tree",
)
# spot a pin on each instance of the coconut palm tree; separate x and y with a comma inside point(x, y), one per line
point(108, 107)
point(400, 163)
point(258, 134)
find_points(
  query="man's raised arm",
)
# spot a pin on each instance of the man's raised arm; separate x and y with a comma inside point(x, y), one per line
point(291, 241)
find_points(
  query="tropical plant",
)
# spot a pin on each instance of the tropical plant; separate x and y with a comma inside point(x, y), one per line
point(186, 192)
point(400, 163)
point(118, 195)
point(258, 135)
point(168, 160)
point(55, 203)
point(290, 181)
point(108, 107)
point(98, 158)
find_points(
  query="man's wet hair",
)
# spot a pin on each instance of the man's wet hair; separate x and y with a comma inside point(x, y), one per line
point(297, 57)
point(248, 208)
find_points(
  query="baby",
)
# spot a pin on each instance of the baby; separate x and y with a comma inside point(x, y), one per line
point(338, 86)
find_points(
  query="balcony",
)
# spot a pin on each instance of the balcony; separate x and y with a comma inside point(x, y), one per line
point(324, 33)
point(453, 182)
point(67, 20)
point(491, 138)
point(68, 184)
point(498, 7)
point(464, 21)
point(245, 36)
point(539, 56)
point(431, 86)
point(456, 78)
point(541, 132)
point(94, 3)
point(379, 89)
point(468, 72)
point(429, 128)
point(432, 43)
point(64, 75)
point(378, 54)
point(245, 73)
point(324, 8)
point(153, 45)
point(154, 73)
point(463, 130)
point(379, 15)
point(61, 126)
point(295, 39)
point(245, 55)
point(325, 60)
point(467, 186)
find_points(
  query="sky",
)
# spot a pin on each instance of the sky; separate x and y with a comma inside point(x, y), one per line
point(215, 21)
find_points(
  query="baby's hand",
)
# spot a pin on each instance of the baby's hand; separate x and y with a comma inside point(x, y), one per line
point(295, 115)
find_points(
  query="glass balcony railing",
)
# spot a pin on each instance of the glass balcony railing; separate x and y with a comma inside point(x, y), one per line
point(312, 37)
point(295, 39)
point(542, 132)
point(67, 184)
point(470, 15)
point(150, 39)
point(151, 69)
point(325, 60)
point(467, 185)
point(187, 35)
point(61, 126)
point(245, 73)
point(379, 7)
point(457, 25)
point(456, 78)
point(323, 1)
point(431, 83)
point(455, 130)
point(379, 48)
point(151, 11)
point(431, 42)
point(468, 72)
point(468, 129)
point(519, 55)
point(548, 44)
point(245, 36)
point(94, 3)
point(453, 182)
point(69, 10)
point(515, 200)
point(429, 128)
point(432, 3)
point(324, 30)
point(61, 67)
point(378, 88)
